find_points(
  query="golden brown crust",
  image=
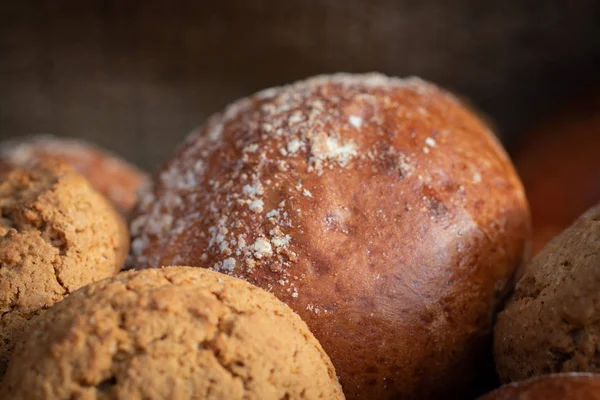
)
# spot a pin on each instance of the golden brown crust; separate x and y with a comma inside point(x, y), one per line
point(550, 387)
point(552, 321)
point(558, 163)
point(379, 209)
point(56, 235)
point(177, 333)
point(110, 175)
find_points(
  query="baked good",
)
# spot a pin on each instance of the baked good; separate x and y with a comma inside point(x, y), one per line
point(56, 235)
point(552, 321)
point(558, 163)
point(380, 210)
point(478, 112)
point(571, 386)
point(112, 176)
point(171, 333)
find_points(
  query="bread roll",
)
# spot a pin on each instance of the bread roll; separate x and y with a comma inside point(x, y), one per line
point(379, 209)
point(112, 176)
point(552, 321)
point(171, 333)
point(558, 162)
point(550, 387)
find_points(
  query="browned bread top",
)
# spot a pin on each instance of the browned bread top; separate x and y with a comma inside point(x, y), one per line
point(378, 208)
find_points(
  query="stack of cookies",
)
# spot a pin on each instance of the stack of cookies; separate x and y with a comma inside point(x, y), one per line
point(176, 332)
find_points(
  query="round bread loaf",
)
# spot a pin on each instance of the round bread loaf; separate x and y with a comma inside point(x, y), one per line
point(559, 165)
point(172, 333)
point(550, 387)
point(379, 209)
point(110, 175)
point(552, 321)
point(56, 235)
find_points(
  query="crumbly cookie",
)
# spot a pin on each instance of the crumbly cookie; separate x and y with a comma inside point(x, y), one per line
point(56, 235)
point(177, 333)
point(109, 174)
point(552, 321)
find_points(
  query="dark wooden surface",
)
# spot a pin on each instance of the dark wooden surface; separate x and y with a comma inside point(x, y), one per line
point(137, 76)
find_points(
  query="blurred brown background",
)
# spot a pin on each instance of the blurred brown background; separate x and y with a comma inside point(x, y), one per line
point(137, 76)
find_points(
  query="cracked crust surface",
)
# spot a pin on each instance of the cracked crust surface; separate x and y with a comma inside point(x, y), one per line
point(110, 175)
point(176, 332)
point(573, 386)
point(56, 235)
point(552, 321)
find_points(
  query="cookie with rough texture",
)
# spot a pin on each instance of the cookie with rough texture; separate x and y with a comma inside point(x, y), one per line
point(552, 321)
point(379, 209)
point(171, 333)
point(571, 386)
point(56, 235)
point(112, 176)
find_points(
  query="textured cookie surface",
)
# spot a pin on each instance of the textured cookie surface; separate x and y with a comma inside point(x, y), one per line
point(550, 387)
point(552, 321)
point(111, 176)
point(56, 235)
point(379, 209)
point(171, 333)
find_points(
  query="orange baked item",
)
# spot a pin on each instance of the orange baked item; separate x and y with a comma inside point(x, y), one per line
point(559, 165)
point(57, 234)
point(112, 176)
point(170, 333)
